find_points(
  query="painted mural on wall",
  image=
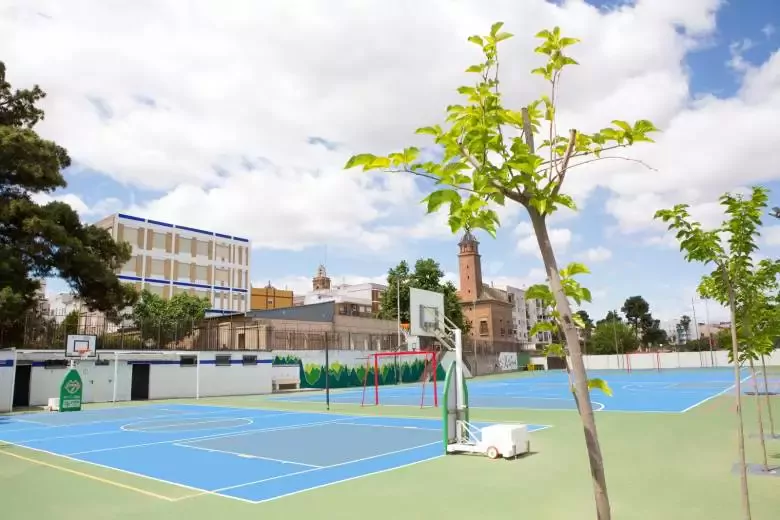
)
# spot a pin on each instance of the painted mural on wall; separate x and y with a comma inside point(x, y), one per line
point(353, 368)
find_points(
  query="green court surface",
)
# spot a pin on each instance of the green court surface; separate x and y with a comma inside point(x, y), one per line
point(659, 465)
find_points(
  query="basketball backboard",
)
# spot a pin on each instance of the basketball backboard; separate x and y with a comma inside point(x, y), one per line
point(426, 310)
point(80, 345)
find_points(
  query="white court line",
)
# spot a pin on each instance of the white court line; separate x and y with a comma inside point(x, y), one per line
point(246, 484)
point(247, 455)
point(212, 436)
point(125, 426)
point(719, 393)
point(340, 481)
point(127, 472)
point(392, 426)
point(106, 421)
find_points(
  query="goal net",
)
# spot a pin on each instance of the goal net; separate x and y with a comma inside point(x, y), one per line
point(401, 378)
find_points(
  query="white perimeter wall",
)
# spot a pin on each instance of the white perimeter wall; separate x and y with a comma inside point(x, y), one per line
point(167, 379)
point(7, 369)
point(652, 361)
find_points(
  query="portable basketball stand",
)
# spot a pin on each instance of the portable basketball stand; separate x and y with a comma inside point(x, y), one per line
point(460, 435)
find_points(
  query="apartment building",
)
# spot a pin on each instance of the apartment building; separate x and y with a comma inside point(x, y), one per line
point(362, 294)
point(170, 258)
point(269, 297)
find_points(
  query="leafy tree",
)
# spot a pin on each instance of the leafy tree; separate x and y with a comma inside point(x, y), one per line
point(162, 321)
point(587, 328)
point(38, 241)
point(490, 155)
point(611, 316)
point(652, 333)
point(612, 337)
point(735, 281)
point(71, 322)
point(636, 309)
point(685, 327)
point(427, 275)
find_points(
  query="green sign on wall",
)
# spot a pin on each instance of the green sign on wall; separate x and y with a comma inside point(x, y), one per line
point(71, 391)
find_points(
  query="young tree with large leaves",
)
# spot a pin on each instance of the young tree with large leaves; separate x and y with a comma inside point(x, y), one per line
point(38, 241)
point(492, 154)
point(735, 281)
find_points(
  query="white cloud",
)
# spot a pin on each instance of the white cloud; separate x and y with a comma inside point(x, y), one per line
point(215, 104)
point(560, 238)
point(100, 209)
point(596, 254)
point(771, 235)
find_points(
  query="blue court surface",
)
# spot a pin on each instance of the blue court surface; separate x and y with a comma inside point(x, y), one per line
point(251, 455)
point(667, 391)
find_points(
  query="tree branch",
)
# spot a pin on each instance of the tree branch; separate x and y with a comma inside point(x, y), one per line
point(613, 157)
point(565, 162)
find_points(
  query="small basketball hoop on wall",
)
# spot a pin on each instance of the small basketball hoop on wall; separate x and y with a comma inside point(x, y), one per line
point(80, 347)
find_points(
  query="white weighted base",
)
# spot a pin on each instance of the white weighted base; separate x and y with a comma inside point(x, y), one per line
point(505, 440)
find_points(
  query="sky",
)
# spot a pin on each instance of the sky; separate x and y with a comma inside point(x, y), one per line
point(238, 117)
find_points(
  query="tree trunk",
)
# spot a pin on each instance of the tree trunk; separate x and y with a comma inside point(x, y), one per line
point(760, 415)
point(738, 387)
point(582, 395)
point(768, 400)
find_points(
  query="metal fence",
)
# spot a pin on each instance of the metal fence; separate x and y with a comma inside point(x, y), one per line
point(49, 332)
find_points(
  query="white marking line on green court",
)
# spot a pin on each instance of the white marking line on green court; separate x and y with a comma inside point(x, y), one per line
point(246, 484)
point(224, 419)
point(245, 455)
point(386, 470)
point(212, 436)
point(721, 392)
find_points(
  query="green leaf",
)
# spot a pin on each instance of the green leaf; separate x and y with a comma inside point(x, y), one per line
point(476, 68)
point(495, 28)
point(476, 39)
point(437, 198)
point(599, 384)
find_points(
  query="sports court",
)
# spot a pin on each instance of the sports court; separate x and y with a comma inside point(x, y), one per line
point(253, 455)
point(664, 391)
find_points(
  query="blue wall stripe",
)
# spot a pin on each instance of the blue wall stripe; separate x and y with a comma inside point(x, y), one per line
point(133, 278)
point(185, 228)
point(6, 362)
point(157, 222)
point(178, 362)
point(130, 217)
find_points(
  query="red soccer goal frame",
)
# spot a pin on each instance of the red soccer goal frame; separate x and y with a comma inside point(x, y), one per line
point(432, 365)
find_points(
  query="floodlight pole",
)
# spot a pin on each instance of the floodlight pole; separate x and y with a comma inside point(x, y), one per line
point(327, 375)
point(116, 373)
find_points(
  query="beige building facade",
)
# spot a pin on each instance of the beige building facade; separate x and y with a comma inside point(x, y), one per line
point(170, 258)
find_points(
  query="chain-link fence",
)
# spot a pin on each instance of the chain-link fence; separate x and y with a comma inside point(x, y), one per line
point(51, 331)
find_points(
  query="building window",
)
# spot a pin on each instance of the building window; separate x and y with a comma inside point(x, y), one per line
point(201, 273)
point(188, 361)
point(185, 245)
point(222, 361)
point(483, 327)
point(182, 271)
point(223, 253)
point(158, 242)
point(249, 360)
point(158, 268)
point(154, 289)
point(202, 248)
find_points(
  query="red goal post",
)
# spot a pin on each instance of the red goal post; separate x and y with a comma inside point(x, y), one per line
point(419, 366)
